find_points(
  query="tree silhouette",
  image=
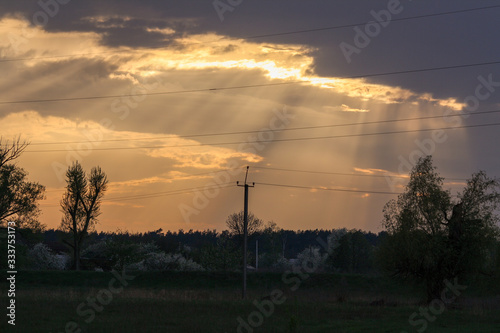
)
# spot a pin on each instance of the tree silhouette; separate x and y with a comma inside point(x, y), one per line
point(353, 254)
point(433, 238)
point(9, 151)
point(18, 197)
point(235, 223)
point(81, 204)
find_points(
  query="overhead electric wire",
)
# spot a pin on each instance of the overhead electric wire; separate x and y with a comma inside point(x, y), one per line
point(338, 173)
point(422, 70)
point(173, 192)
point(275, 140)
point(284, 33)
point(60, 56)
point(173, 136)
point(160, 194)
point(327, 189)
point(147, 94)
point(227, 185)
point(221, 186)
point(318, 172)
point(187, 176)
point(352, 25)
point(28, 101)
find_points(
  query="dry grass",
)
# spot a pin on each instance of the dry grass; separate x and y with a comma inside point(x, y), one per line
point(198, 303)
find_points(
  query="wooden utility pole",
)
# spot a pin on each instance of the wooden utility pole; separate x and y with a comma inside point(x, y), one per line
point(256, 255)
point(245, 234)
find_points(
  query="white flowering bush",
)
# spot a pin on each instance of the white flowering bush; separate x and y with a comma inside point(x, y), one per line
point(147, 248)
point(96, 250)
point(281, 264)
point(43, 258)
point(164, 262)
point(312, 258)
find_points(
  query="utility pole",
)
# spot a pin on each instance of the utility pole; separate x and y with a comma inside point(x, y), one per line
point(245, 233)
point(256, 255)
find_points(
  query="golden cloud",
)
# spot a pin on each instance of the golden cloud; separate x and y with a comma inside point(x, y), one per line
point(201, 52)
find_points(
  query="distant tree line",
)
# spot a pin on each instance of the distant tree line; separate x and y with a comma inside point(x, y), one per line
point(348, 251)
point(351, 251)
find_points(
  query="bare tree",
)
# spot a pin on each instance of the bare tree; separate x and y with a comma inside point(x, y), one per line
point(18, 197)
point(9, 151)
point(81, 204)
point(235, 221)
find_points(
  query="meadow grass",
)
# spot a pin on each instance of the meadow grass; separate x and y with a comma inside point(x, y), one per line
point(211, 302)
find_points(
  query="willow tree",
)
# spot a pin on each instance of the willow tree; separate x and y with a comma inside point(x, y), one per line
point(81, 204)
point(433, 237)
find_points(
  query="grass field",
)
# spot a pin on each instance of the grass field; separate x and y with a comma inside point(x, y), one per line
point(211, 302)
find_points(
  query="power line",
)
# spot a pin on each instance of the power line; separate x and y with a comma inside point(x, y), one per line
point(275, 140)
point(160, 194)
point(327, 189)
point(338, 173)
point(221, 186)
point(190, 175)
point(166, 193)
point(226, 185)
point(364, 23)
point(257, 131)
point(285, 33)
point(28, 101)
point(321, 172)
point(60, 56)
point(147, 94)
point(424, 70)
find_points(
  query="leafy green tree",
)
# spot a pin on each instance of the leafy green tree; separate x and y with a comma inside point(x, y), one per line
point(497, 256)
point(81, 205)
point(270, 245)
point(123, 252)
point(432, 237)
point(354, 254)
point(223, 256)
point(18, 197)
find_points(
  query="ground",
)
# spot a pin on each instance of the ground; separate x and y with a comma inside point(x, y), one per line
point(211, 302)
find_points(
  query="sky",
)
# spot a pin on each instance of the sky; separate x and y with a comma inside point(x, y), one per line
point(329, 103)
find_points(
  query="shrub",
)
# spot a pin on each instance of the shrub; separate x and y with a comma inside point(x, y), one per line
point(42, 257)
point(281, 264)
point(312, 258)
point(164, 262)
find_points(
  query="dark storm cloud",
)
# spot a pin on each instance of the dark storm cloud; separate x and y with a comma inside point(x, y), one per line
point(121, 23)
point(422, 43)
